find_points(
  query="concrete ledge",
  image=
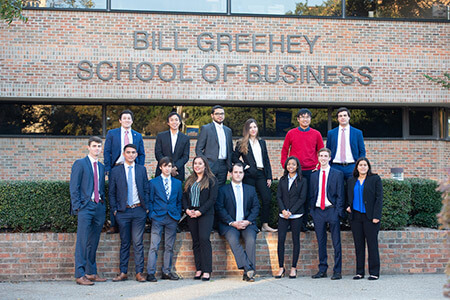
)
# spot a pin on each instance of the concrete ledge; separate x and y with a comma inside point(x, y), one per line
point(50, 256)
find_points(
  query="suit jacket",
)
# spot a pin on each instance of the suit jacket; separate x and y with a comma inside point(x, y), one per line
point(208, 144)
point(118, 188)
point(82, 183)
point(356, 142)
point(226, 207)
point(372, 196)
point(207, 198)
point(159, 206)
point(249, 159)
point(163, 147)
point(113, 148)
point(294, 198)
point(334, 189)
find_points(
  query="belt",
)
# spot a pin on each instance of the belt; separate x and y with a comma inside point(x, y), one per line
point(118, 164)
point(261, 169)
point(101, 200)
point(327, 207)
point(343, 164)
point(134, 205)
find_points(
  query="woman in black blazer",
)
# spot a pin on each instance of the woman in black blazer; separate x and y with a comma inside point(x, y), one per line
point(365, 196)
point(258, 172)
point(291, 195)
point(199, 197)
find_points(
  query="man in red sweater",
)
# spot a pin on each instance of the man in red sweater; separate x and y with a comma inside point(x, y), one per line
point(303, 142)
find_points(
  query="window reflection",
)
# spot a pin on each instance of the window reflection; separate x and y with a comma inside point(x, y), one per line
point(76, 4)
point(288, 7)
point(217, 6)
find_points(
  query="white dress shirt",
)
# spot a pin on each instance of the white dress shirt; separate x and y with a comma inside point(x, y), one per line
point(257, 153)
point(93, 172)
point(348, 150)
point(222, 141)
point(173, 139)
point(133, 173)
point(319, 195)
point(239, 201)
point(122, 143)
point(169, 183)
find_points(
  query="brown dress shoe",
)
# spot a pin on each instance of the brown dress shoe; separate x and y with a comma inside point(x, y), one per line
point(84, 281)
point(120, 277)
point(95, 278)
point(140, 277)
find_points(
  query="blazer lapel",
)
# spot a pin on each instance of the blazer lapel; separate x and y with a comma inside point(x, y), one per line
point(233, 202)
point(89, 166)
point(216, 137)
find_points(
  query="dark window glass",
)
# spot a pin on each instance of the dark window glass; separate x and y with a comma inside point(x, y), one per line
point(50, 119)
point(213, 6)
point(375, 122)
point(75, 4)
point(420, 122)
point(411, 9)
point(288, 7)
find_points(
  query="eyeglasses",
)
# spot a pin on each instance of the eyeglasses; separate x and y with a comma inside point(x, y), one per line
point(219, 114)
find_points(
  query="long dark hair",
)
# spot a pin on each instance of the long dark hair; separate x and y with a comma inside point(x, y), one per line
point(299, 167)
point(355, 170)
point(243, 142)
point(207, 175)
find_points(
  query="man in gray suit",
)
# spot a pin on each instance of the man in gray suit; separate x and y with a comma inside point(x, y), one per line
point(214, 142)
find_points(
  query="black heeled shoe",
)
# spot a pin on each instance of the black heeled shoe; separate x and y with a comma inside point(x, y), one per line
point(206, 278)
point(281, 275)
point(199, 277)
point(293, 276)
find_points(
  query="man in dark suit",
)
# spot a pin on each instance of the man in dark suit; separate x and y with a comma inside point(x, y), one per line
point(173, 144)
point(87, 195)
point(165, 211)
point(128, 195)
point(346, 144)
point(215, 143)
point(116, 139)
point(327, 205)
point(238, 207)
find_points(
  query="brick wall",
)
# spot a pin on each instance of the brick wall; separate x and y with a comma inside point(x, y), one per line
point(50, 256)
point(44, 158)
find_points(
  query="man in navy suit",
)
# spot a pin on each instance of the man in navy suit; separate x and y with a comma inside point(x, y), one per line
point(87, 195)
point(238, 207)
point(346, 144)
point(165, 212)
point(215, 143)
point(327, 205)
point(173, 144)
point(116, 139)
point(129, 196)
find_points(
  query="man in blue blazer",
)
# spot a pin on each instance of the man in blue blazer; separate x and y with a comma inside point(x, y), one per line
point(87, 195)
point(173, 144)
point(326, 206)
point(116, 139)
point(215, 143)
point(129, 198)
point(346, 144)
point(237, 206)
point(165, 212)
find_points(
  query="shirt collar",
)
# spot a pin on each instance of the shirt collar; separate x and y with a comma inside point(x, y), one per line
point(292, 178)
point(92, 159)
point(340, 127)
point(304, 130)
point(235, 184)
point(164, 177)
point(126, 165)
point(123, 130)
point(217, 124)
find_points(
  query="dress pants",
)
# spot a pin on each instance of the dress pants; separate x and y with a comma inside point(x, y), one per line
point(220, 170)
point(307, 175)
point(347, 170)
point(260, 184)
point(321, 218)
point(283, 225)
point(364, 230)
point(90, 224)
point(245, 259)
point(131, 226)
point(200, 229)
point(169, 225)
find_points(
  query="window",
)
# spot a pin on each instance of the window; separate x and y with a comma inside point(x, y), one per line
point(76, 4)
point(288, 7)
point(420, 121)
point(211, 6)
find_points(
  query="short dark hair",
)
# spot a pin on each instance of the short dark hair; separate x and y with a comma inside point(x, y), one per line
point(341, 109)
point(126, 111)
point(303, 111)
point(165, 161)
point(213, 109)
point(130, 146)
point(174, 113)
point(94, 139)
point(324, 150)
point(238, 164)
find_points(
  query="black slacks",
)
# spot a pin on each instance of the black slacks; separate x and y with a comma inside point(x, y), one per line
point(200, 229)
point(364, 230)
point(283, 225)
point(260, 184)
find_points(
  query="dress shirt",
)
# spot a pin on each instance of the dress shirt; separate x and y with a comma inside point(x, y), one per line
point(348, 150)
point(173, 139)
point(290, 182)
point(327, 202)
point(121, 159)
point(239, 201)
point(133, 172)
point(222, 141)
point(93, 172)
point(257, 153)
point(169, 183)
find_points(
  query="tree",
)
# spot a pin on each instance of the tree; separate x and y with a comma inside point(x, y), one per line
point(11, 10)
point(444, 82)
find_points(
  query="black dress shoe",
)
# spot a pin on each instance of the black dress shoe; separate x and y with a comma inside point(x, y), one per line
point(373, 277)
point(304, 229)
point(319, 275)
point(358, 277)
point(169, 276)
point(151, 278)
point(336, 276)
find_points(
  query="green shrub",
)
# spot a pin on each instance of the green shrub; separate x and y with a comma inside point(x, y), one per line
point(396, 204)
point(426, 202)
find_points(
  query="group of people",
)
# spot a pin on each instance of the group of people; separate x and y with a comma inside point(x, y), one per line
point(314, 182)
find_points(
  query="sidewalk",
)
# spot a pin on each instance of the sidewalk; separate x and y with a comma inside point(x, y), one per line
point(408, 287)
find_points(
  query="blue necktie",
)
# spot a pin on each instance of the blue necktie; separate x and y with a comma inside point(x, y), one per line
point(130, 185)
point(166, 187)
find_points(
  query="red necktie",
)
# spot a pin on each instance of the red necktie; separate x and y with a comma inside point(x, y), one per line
point(322, 195)
point(342, 146)
point(96, 195)
point(126, 140)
